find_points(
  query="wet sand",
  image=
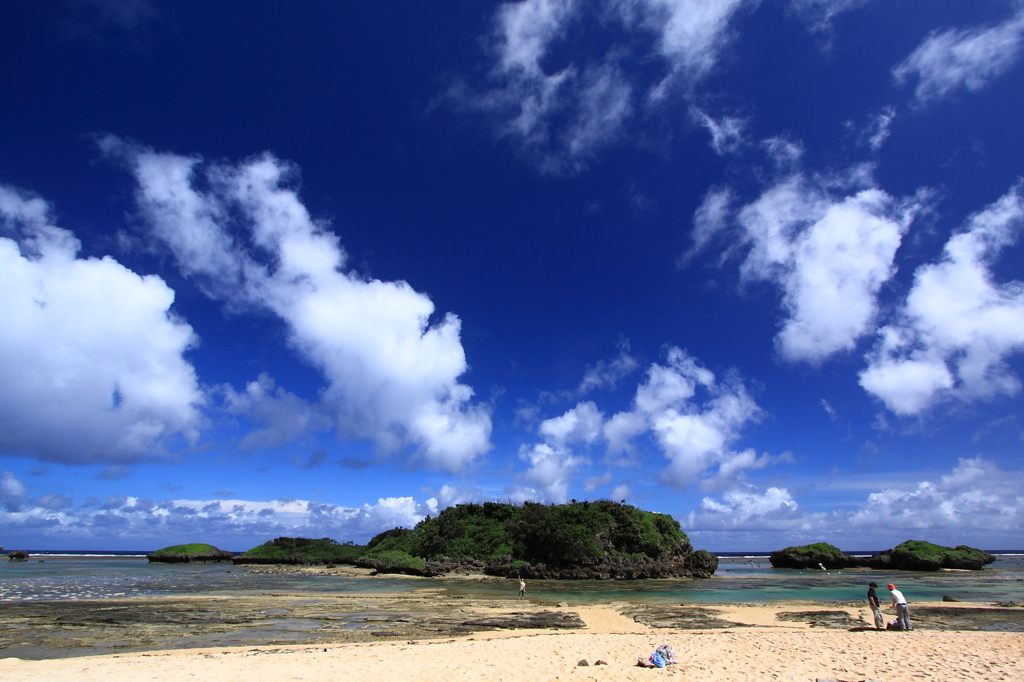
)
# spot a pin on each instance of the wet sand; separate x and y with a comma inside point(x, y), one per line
point(809, 641)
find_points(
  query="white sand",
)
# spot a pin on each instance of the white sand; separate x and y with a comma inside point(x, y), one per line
point(784, 651)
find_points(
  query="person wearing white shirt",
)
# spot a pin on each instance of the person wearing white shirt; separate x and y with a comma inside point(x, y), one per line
point(902, 609)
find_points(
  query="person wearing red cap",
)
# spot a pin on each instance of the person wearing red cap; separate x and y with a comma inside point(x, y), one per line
point(902, 609)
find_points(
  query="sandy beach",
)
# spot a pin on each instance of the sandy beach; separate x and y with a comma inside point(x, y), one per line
point(738, 643)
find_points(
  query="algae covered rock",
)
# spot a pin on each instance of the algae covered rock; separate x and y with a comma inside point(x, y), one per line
point(912, 555)
point(702, 564)
point(918, 555)
point(194, 553)
point(17, 555)
point(809, 556)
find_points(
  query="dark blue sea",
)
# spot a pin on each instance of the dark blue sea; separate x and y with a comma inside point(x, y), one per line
point(746, 578)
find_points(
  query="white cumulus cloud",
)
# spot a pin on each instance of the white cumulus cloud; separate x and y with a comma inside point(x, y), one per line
point(93, 367)
point(747, 508)
point(976, 503)
point(693, 417)
point(243, 234)
point(971, 58)
point(957, 327)
point(553, 461)
point(828, 243)
point(976, 495)
point(138, 522)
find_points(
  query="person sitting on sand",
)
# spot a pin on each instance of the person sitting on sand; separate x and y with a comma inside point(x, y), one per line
point(522, 588)
point(902, 608)
point(876, 607)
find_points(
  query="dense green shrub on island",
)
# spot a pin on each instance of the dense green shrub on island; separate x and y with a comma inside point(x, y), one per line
point(393, 561)
point(595, 540)
point(912, 555)
point(196, 552)
point(302, 551)
point(918, 555)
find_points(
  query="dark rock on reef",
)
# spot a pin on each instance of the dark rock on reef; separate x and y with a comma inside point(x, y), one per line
point(17, 555)
point(678, 617)
point(189, 554)
point(912, 555)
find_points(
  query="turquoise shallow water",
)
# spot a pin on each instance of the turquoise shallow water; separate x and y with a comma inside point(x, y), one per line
point(737, 581)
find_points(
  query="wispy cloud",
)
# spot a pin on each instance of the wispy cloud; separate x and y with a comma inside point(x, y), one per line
point(608, 373)
point(957, 326)
point(93, 367)
point(877, 129)
point(114, 472)
point(727, 132)
point(962, 58)
point(280, 416)
point(819, 13)
point(247, 240)
point(559, 114)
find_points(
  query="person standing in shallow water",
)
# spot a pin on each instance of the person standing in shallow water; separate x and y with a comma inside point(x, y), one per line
point(902, 608)
point(522, 589)
point(876, 607)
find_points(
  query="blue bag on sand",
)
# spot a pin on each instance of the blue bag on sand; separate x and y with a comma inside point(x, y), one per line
point(657, 660)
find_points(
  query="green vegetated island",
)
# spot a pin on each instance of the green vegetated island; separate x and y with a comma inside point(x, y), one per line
point(600, 540)
point(196, 552)
point(912, 555)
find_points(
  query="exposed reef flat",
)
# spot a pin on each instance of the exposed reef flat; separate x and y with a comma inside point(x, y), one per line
point(84, 627)
point(59, 629)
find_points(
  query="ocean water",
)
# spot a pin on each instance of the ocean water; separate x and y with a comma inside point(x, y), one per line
point(746, 579)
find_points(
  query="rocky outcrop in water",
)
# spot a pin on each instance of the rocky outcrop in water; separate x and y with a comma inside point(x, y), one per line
point(17, 555)
point(912, 555)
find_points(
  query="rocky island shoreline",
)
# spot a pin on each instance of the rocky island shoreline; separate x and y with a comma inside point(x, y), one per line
point(601, 540)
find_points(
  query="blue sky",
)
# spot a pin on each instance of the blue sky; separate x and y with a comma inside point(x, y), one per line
point(325, 269)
